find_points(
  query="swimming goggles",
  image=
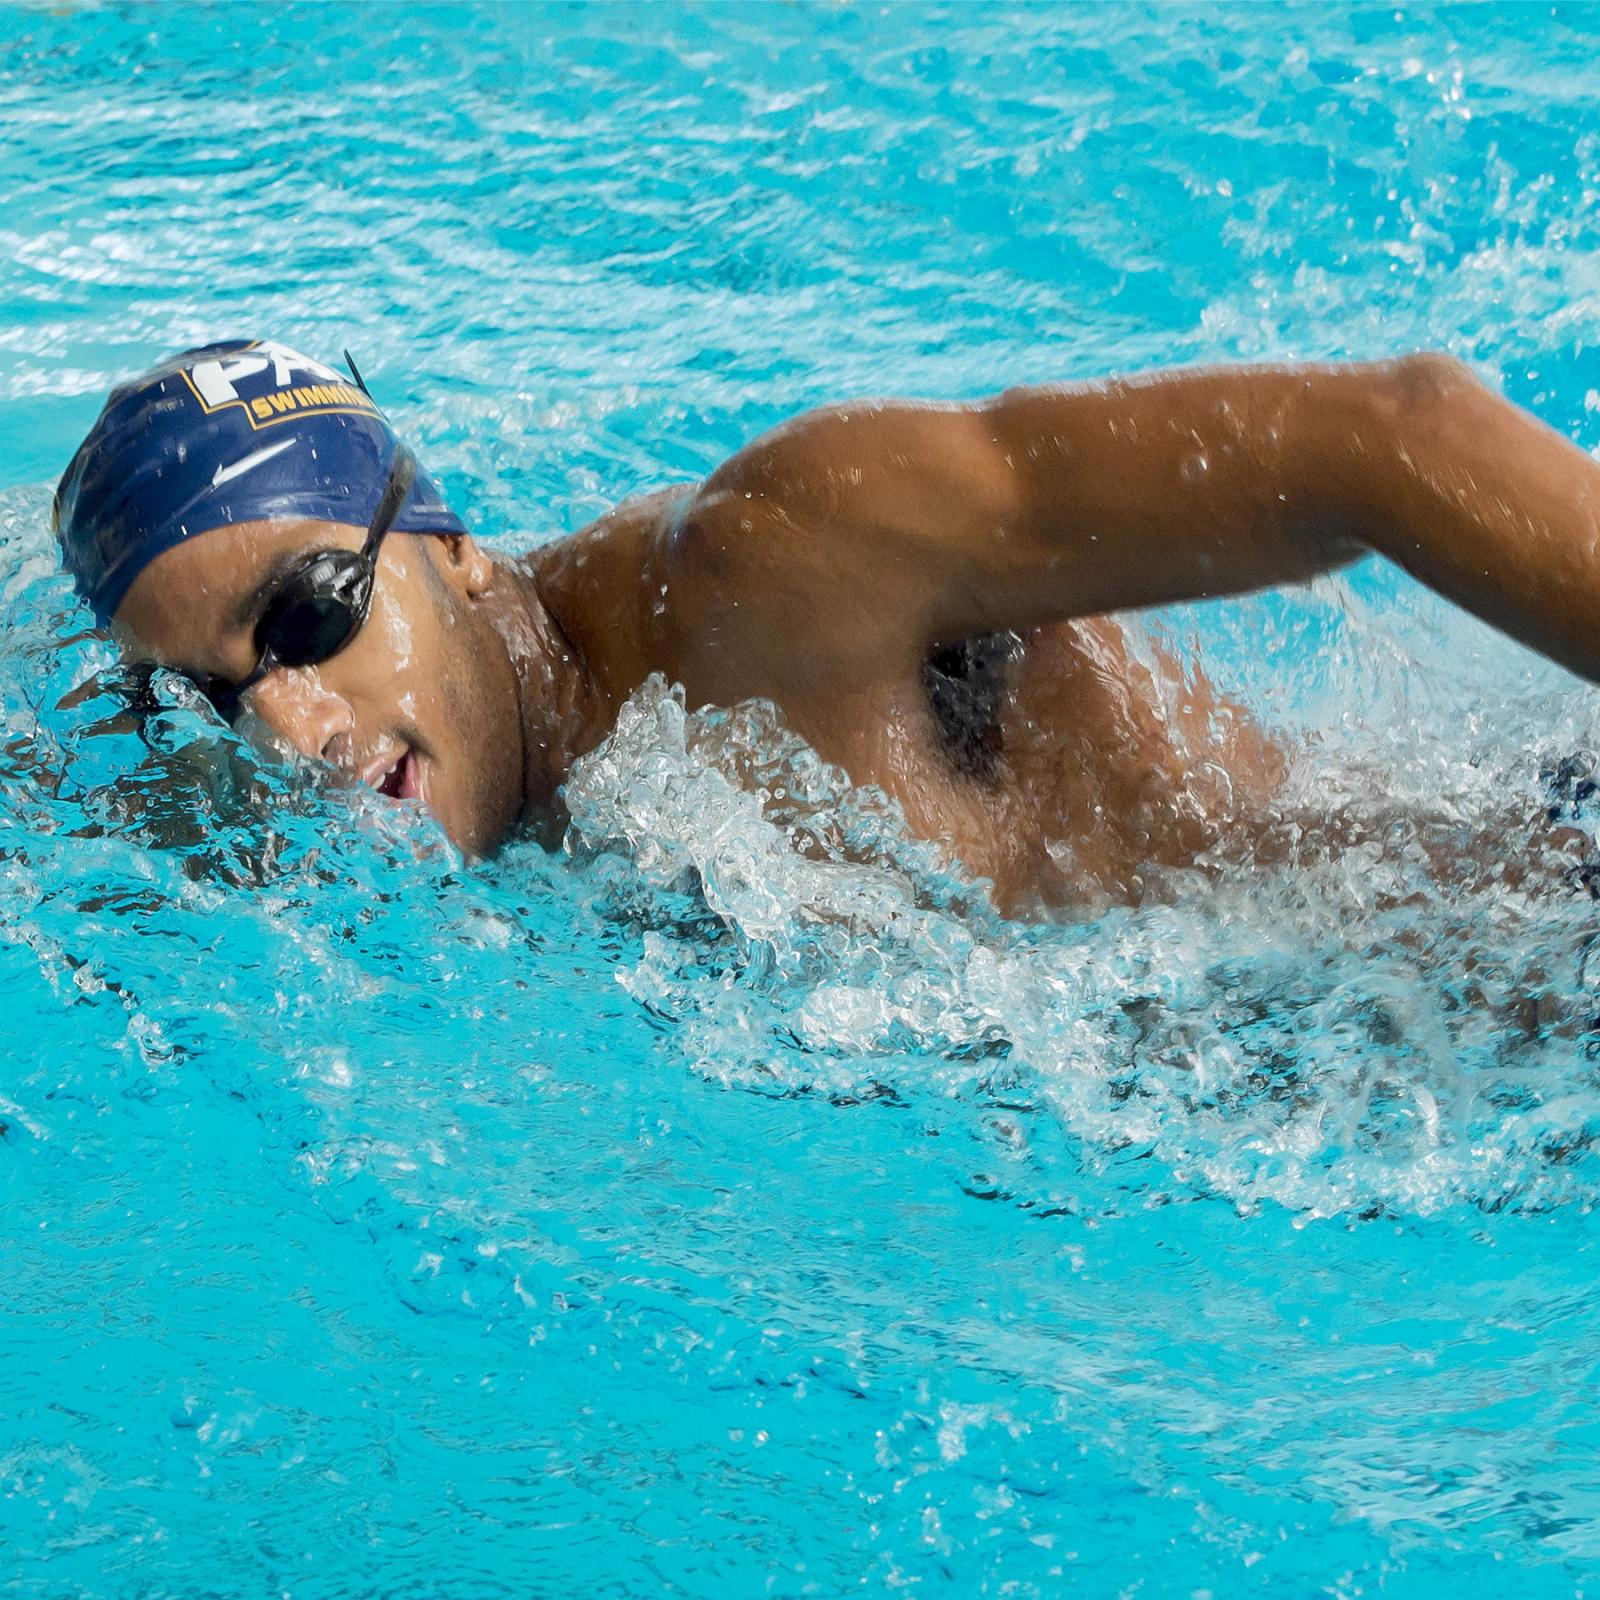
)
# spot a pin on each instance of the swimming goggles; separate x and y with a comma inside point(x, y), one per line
point(322, 604)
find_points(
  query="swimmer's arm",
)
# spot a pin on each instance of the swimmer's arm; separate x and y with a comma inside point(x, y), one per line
point(1045, 504)
point(1481, 501)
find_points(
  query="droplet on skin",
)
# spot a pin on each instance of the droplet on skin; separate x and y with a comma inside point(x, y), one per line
point(1194, 467)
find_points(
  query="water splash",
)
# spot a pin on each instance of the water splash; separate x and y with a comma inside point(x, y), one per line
point(1346, 1029)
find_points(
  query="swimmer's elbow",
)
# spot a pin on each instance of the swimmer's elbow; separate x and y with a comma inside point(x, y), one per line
point(1365, 439)
point(1422, 382)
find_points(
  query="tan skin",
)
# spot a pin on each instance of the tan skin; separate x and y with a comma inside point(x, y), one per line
point(823, 565)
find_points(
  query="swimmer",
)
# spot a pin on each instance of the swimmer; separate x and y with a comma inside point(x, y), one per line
point(923, 590)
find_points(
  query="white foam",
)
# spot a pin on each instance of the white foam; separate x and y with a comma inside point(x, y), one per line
point(1349, 1029)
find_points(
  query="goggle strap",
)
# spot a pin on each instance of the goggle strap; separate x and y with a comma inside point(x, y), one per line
point(355, 372)
point(402, 474)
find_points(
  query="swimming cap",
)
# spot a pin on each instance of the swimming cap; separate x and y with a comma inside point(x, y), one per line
point(237, 432)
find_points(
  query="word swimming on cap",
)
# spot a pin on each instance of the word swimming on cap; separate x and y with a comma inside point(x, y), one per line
point(237, 432)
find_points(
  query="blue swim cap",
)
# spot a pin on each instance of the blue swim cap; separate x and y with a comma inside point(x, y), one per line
point(235, 432)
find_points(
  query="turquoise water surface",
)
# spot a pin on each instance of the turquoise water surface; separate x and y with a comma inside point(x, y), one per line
point(681, 1213)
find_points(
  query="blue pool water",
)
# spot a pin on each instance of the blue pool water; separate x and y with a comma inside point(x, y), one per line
point(679, 1213)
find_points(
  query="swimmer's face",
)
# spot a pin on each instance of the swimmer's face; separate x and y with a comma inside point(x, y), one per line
point(422, 703)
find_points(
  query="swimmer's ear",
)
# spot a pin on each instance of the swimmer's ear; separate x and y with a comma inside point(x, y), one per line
point(464, 564)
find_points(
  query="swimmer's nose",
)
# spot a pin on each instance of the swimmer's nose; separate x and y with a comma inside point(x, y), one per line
point(299, 708)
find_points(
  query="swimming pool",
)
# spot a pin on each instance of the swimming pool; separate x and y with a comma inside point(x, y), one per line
point(678, 1213)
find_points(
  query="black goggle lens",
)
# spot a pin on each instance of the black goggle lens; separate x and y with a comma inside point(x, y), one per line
point(315, 614)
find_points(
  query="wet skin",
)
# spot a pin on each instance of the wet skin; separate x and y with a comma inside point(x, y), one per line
point(825, 565)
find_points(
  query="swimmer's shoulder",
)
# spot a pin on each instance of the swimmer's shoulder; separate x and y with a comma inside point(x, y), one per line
point(844, 468)
point(787, 565)
point(813, 507)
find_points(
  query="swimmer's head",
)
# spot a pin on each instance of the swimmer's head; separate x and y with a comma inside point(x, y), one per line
point(220, 476)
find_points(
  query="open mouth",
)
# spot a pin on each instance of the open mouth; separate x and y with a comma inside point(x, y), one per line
point(402, 780)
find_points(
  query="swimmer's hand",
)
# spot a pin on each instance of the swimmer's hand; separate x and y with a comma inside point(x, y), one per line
point(871, 533)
